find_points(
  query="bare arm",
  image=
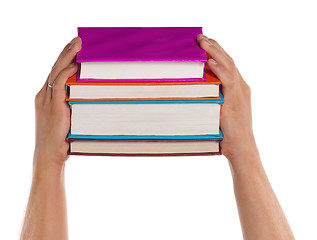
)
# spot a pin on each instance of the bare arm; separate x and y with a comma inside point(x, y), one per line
point(46, 216)
point(261, 215)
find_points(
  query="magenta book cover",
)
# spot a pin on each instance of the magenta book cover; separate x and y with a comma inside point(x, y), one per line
point(101, 44)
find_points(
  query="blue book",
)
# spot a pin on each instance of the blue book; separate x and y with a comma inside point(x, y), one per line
point(152, 118)
point(136, 145)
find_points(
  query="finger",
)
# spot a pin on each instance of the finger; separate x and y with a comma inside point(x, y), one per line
point(213, 51)
point(42, 92)
point(225, 74)
point(219, 63)
point(69, 45)
point(48, 92)
point(201, 36)
point(66, 59)
point(57, 60)
point(59, 89)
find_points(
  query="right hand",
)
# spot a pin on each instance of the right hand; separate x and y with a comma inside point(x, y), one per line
point(235, 116)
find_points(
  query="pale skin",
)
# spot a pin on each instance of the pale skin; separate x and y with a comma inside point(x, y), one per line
point(261, 215)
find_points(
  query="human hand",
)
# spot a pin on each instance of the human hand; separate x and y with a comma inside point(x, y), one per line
point(260, 214)
point(235, 116)
point(52, 111)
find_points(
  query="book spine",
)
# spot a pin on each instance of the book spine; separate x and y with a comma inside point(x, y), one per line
point(142, 140)
point(145, 155)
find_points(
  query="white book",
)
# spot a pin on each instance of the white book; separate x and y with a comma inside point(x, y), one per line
point(141, 69)
point(145, 118)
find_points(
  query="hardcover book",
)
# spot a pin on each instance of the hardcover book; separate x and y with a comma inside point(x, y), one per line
point(138, 53)
point(145, 117)
point(154, 146)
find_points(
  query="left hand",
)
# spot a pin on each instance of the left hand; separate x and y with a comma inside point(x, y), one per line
point(52, 111)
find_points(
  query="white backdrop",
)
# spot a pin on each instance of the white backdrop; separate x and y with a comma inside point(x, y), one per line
point(273, 44)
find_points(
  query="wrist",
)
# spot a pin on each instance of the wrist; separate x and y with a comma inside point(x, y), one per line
point(238, 149)
point(246, 164)
point(47, 164)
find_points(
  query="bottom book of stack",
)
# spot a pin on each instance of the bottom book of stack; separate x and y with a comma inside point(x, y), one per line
point(190, 145)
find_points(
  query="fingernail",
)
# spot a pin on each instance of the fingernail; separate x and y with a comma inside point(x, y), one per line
point(212, 61)
point(72, 65)
point(72, 43)
point(204, 37)
point(208, 42)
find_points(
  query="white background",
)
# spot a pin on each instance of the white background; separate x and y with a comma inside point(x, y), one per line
point(273, 44)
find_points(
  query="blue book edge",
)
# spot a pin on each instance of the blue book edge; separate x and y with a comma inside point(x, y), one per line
point(207, 136)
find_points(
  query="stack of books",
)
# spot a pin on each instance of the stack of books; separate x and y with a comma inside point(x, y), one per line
point(143, 91)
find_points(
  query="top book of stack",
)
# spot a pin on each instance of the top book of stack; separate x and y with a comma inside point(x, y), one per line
point(140, 54)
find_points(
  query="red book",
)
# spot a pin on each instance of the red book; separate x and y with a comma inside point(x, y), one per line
point(144, 147)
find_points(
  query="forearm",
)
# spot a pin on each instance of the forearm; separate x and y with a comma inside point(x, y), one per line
point(46, 216)
point(260, 213)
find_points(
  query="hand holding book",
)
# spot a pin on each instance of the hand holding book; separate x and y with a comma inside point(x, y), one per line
point(235, 115)
point(52, 111)
point(259, 211)
point(237, 127)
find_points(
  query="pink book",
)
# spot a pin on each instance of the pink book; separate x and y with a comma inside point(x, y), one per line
point(149, 45)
